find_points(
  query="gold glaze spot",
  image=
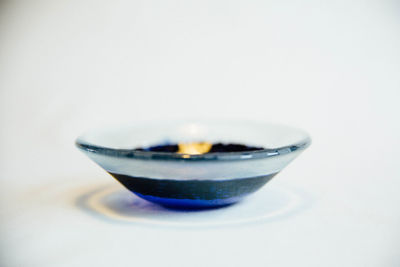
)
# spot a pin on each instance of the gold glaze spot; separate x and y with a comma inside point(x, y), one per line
point(194, 148)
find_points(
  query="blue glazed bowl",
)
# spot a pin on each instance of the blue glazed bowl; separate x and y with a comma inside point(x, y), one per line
point(193, 181)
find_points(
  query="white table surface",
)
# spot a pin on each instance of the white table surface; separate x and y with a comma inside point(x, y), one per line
point(329, 67)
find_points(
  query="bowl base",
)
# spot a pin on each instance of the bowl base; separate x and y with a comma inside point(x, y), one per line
point(193, 194)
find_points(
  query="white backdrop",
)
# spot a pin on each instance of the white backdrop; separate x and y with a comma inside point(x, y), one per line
point(330, 67)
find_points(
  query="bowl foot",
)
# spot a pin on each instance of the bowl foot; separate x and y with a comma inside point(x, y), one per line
point(189, 204)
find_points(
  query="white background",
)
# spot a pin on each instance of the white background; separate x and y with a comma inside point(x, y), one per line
point(329, 67)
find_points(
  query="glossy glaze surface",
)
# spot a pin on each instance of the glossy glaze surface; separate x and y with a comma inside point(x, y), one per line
point(210, 179)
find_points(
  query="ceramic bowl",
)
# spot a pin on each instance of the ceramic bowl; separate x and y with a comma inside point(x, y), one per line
point(193, 181)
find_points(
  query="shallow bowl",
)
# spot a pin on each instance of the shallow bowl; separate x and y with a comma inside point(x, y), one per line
point(193, 181)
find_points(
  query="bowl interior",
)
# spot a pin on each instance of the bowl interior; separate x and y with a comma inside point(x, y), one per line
point(128, 137)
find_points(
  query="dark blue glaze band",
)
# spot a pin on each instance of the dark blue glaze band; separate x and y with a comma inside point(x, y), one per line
point(192, 193)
